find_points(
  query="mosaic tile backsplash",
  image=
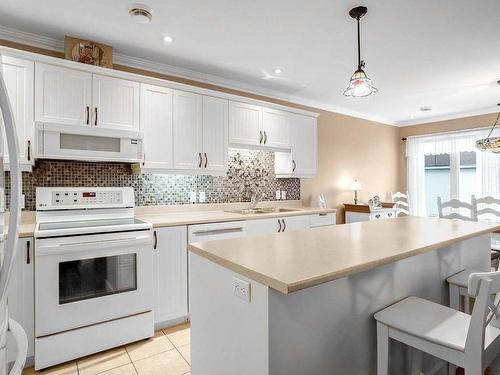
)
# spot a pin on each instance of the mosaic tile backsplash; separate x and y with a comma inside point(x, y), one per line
point(248, 171)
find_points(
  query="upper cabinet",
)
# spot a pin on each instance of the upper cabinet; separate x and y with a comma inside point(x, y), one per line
point(188, 115)
point(156, 125)
point(72, 97)
point(254, 126)
point(62, 95)
point(115, 103)
point(215, 134)
point(302, 160)
point(18, 75)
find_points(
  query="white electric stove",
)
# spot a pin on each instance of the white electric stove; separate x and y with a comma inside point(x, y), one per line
point(93, 273)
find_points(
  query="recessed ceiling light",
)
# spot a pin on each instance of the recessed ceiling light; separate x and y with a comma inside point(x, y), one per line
point(168, 39)
point(278, 70)
point(425, 109)
point(140, 13)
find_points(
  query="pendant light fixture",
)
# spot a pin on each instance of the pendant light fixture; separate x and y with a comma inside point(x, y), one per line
point(360, 84)
point(490, 144)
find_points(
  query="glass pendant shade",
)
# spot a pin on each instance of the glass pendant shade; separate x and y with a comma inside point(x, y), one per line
point(360, 85)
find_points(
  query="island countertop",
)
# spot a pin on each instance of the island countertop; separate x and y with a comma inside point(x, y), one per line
point(288, 262)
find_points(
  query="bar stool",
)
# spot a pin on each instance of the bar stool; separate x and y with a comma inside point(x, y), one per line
point(468, 341)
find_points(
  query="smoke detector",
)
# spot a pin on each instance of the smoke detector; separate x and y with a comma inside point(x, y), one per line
point(140, 13)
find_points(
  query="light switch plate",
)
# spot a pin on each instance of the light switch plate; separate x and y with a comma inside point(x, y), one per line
point(203, 198)
point(241, 289)
point(192, 197)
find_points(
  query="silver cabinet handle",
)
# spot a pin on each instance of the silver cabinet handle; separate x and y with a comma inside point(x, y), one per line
point(217, 231)
point(260, 137)
point(88, 115)
point(206, 159)
point(284, 224)
point(200, 160)
point(95, 121)
point(29, 150)
point(155, 241)
point(279, 223)
point(28, 258)
point(265, 137)
point(294, 165)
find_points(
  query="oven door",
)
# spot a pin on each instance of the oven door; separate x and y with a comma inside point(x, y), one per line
point(89, 279)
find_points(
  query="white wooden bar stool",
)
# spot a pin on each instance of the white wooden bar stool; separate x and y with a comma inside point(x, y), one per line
point(468, 341)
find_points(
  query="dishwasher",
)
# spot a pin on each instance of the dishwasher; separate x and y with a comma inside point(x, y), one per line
point(216, 231)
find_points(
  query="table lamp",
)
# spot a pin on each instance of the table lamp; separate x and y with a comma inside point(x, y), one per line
point(356, 186)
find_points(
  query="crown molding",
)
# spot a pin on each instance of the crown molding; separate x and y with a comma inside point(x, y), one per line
point(449, 116)
point(35, 40)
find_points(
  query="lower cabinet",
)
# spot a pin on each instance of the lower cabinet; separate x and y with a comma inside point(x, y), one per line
point(170, 275)
point(21, 296)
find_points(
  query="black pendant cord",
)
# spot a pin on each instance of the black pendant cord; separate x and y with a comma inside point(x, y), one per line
point(359, 47)
point(495, 124)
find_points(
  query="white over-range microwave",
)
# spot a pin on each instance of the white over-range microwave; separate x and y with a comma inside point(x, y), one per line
point(55, 141)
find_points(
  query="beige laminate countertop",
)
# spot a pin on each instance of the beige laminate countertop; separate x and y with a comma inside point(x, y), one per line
point(167, 217)
point(292, 261)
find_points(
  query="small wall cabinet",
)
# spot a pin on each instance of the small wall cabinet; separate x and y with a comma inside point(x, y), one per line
point(74, 97)
point(18, 75)
point(170, 274)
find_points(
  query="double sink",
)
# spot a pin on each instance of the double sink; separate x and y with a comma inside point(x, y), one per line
point(270, 210)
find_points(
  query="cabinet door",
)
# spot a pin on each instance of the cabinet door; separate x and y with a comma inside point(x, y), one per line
point(292, 223)
point(115, 103)
point(21, 295)
point(215, 134)
point(262, 226)
point(187, 130)
point(156, 124)
point(18, 76)
point(62, 95)
point(276, 127)
point(245, 124)
point(304, 145)
point(170, 274)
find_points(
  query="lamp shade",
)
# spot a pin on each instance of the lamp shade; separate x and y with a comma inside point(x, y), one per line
point(356, 185)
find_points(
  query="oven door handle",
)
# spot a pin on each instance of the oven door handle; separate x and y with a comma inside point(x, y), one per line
point(96, 244)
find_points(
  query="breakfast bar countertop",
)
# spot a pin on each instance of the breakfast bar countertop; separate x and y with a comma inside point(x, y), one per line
point(288, 262)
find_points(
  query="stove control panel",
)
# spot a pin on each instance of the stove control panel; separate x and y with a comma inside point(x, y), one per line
point(76, 198)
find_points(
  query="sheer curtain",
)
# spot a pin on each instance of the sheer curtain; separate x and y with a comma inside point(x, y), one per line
point(487, 164)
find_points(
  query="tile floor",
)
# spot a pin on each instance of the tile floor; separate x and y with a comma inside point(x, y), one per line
point(167, 353)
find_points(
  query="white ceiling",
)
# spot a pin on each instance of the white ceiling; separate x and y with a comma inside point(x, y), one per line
point(442, 54)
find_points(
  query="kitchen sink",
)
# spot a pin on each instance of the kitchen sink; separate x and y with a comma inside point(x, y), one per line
point(269, 210)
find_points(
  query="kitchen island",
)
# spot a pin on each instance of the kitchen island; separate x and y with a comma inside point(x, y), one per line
point(303, 302)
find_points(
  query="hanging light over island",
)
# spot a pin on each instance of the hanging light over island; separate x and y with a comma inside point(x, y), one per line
point(359, 85)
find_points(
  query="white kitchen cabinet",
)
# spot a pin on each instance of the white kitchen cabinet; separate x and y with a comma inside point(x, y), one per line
point(277, 225)
point(187, 120)
point(170, 274)
point(115, 103)
point(156, 125)
point(276, 128)
point(322, 220)
point(21, 294)
point(245, 124)
point(215, 134)
point(18, 75)
point(62, 95)
point(302, 160)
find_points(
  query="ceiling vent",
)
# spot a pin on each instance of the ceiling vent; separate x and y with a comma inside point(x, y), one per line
point(141, 13)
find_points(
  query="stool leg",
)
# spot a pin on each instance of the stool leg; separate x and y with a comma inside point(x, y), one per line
point(454, 297)
point(382, 349)
point(416, 362)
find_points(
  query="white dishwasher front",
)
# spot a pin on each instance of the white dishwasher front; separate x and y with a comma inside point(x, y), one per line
point(216, 231)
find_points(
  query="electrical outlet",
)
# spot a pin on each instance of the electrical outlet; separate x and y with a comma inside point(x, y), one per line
point(192, 197)
point(278, 195)
point(283, 194)
point(241, 289)
point(203, 197)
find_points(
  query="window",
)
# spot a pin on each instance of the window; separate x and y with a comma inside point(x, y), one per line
point(447, 165)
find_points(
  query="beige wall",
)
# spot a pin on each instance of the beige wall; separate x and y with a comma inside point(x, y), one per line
point(348, 148)
point(438, 127)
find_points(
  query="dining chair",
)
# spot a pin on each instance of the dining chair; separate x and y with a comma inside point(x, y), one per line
point(468, 341)
point(454, 213)
point(401, 202)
